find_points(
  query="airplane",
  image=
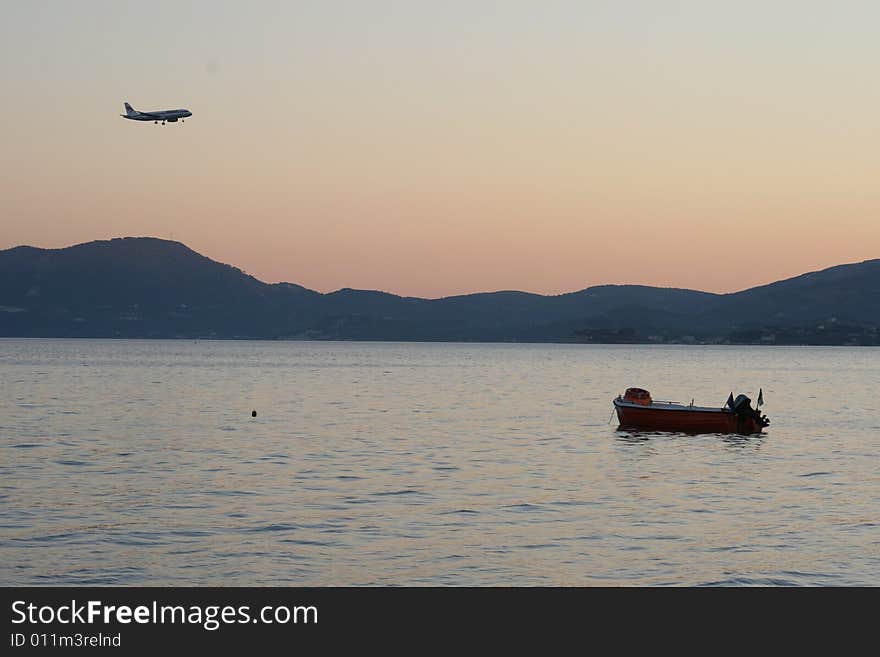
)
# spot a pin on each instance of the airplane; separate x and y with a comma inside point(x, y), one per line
point(165, 115)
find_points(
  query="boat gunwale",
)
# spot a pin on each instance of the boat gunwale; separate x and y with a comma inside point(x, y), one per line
point(661, 406)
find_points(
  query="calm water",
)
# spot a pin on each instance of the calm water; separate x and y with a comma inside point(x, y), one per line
point(138, 463)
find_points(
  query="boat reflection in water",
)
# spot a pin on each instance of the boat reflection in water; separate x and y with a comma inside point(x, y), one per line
point(637, 410)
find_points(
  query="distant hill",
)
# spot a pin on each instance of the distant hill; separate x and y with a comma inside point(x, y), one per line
point(151, 288)
point(848, 293)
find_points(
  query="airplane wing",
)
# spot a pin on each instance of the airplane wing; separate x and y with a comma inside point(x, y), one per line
point(154, 115)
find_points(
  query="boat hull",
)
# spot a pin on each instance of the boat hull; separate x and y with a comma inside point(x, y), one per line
point(667, 417)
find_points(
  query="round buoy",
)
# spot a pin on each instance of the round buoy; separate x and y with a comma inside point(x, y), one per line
point(253, 414)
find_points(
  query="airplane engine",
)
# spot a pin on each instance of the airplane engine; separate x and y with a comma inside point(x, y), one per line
point(172, 120)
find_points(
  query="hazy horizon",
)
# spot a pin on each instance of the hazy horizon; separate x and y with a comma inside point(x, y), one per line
point(507, 289)
point(436, 149)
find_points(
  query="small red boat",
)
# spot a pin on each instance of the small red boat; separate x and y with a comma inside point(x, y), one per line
point(637, 410)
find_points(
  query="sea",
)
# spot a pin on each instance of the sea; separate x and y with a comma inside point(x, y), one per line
point(139, 462)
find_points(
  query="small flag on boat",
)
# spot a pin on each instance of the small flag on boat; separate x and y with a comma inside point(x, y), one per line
point(760, 396)
point(730, 401)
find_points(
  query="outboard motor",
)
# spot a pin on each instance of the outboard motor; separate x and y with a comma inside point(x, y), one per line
point(742, 406)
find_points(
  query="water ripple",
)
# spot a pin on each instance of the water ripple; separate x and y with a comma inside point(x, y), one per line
point(144, 468)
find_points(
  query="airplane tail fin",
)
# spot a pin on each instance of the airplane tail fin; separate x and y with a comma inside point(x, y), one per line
point(129, 109)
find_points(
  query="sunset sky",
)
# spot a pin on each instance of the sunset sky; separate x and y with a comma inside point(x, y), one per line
point(439, 148)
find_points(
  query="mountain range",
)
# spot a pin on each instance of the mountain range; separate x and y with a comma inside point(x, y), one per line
point(143, 287)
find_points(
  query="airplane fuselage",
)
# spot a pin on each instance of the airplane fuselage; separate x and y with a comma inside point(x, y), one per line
point(171, 116)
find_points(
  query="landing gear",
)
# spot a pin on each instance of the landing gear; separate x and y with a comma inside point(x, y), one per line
point(163, 122)
point(156, 122)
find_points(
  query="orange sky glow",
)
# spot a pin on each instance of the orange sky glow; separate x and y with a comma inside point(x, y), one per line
point(433, 149)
